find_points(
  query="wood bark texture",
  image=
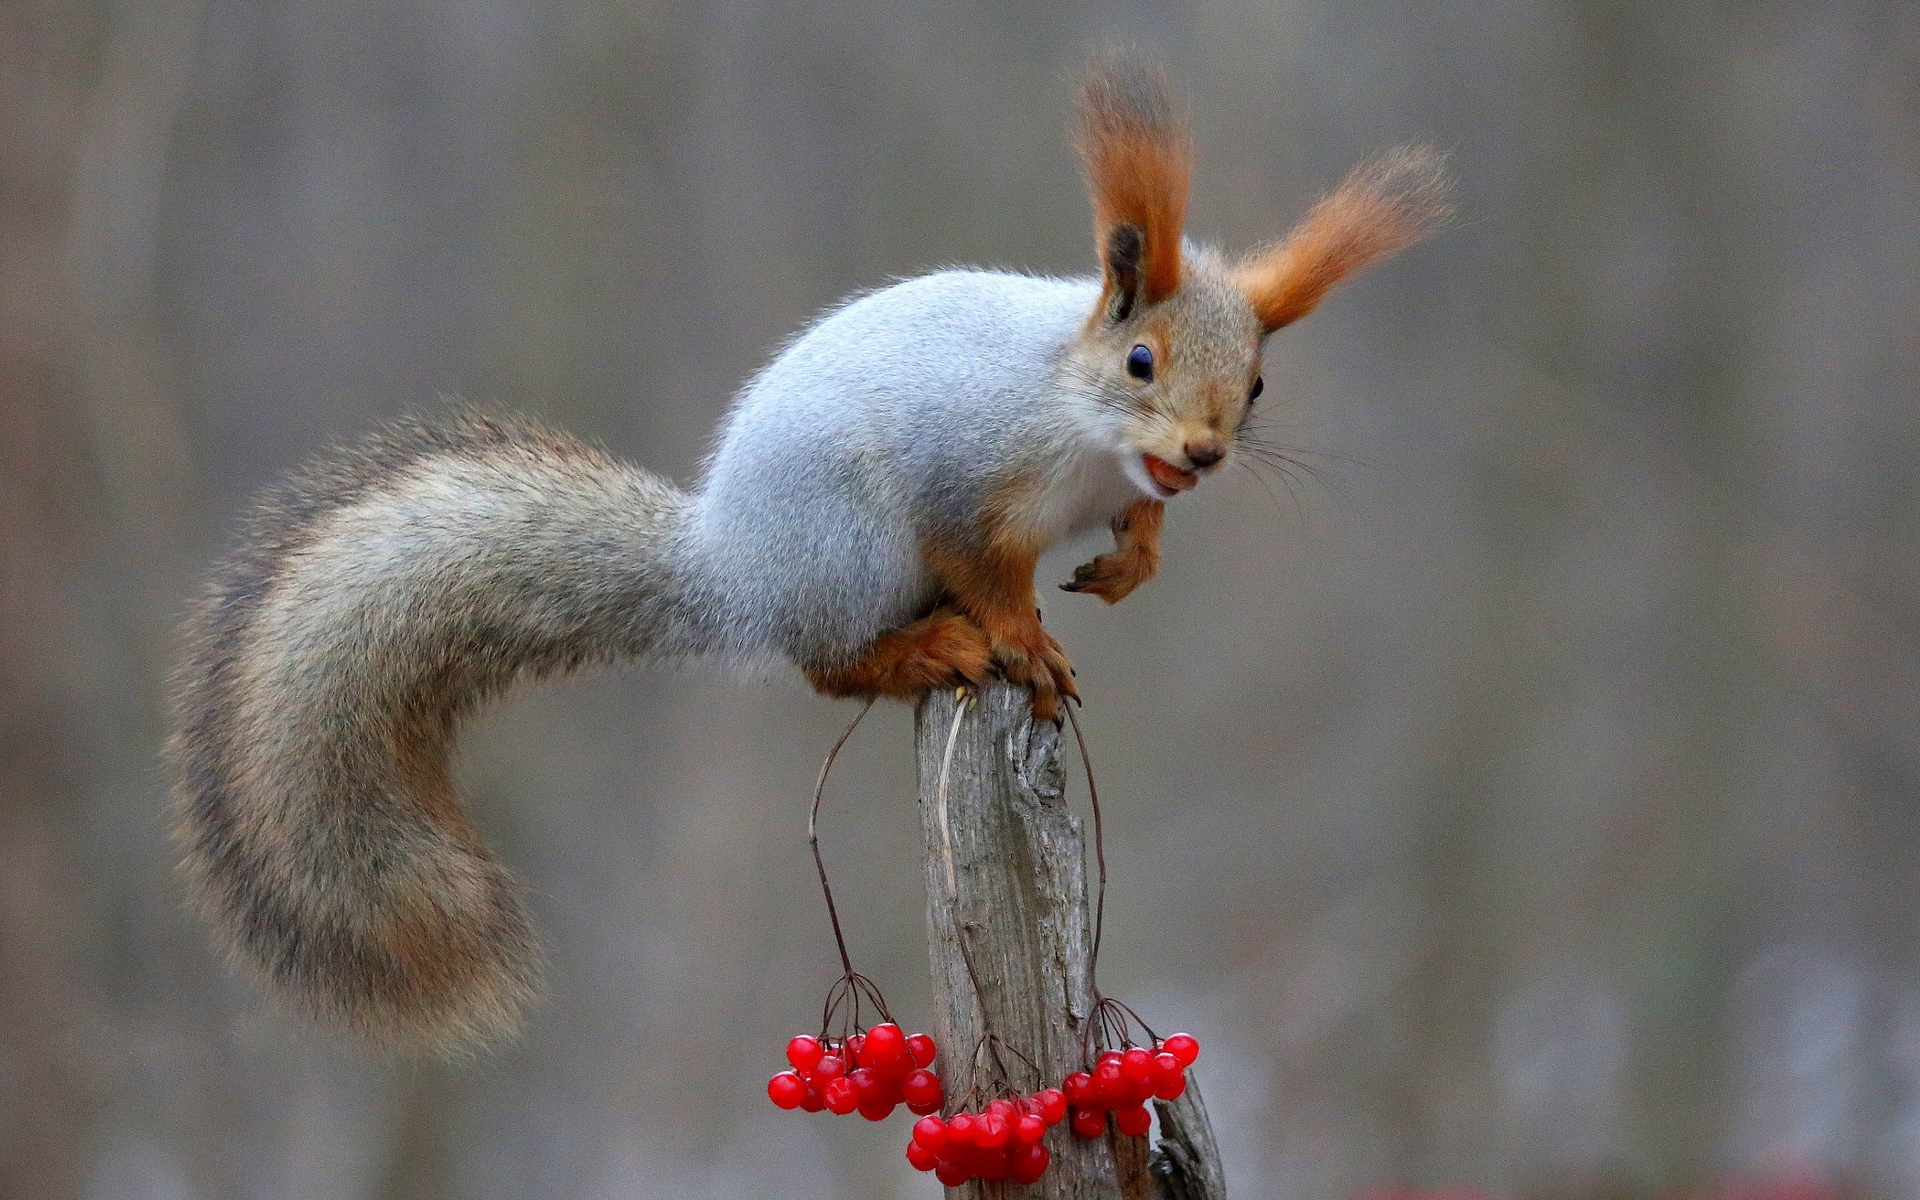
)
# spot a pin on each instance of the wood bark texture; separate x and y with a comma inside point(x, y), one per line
point(1007, 870)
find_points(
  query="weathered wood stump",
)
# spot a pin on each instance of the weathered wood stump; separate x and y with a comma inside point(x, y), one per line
point(1007, 870)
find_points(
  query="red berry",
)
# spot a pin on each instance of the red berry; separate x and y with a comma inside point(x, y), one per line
point(805, 1053)
point(951, 1173)
point(840, 1096)
point(1134, 1122)
point(1028, 1130)
point(884, 1045)
point(1078, 1089)
point(786, 1090)
point(922, 1158)
point(921, 1047)
point(1051, 1104)
point(1089, 1122)
point(868, 1086)
point(994, 1167)
point(1002, 1108)
point(829, 1069)
point(878, 1111)
point(1109, 1085)
point(931, 1132)
point(991, 1133)
point(1030, 1163)
point(921, 1110)
point(1183, 1047)
point(972, 1154)
point(960, 1129)
point(922, 1088)
point(1136, 1064)
point(1165, 1065)
point(896, 1070)
point(1172, 1089)
point(814, 1101)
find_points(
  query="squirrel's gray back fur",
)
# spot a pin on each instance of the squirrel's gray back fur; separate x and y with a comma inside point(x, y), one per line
point(390, 589)
point(886, 424)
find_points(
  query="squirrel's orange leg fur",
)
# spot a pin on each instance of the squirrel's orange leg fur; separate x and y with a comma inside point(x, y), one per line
point(1135, 557)
point(996, 590)
point(945, 648)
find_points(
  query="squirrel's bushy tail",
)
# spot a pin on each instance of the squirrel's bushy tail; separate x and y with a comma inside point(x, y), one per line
point(377, 600)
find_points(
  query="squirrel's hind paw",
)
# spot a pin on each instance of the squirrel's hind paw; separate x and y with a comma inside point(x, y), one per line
point(945, 648)
point(1029, 657)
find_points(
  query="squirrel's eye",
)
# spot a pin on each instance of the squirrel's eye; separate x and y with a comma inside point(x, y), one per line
point(1259, 385)
point(1140, 362)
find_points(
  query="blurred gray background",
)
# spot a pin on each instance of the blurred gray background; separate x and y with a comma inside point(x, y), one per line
point(1525, 798)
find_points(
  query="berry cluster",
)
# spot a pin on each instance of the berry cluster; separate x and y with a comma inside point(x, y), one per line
point(1122, 1081)
point(1000, 1142)
point(869, 1073)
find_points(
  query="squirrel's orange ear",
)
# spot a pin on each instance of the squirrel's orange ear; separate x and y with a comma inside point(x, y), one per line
point(1138, 153)
point(1384, 206)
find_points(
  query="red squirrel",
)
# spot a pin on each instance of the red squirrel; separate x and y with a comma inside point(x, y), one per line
point(873, 512)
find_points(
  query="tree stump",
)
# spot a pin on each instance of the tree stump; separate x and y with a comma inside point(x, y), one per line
point(1007, 870)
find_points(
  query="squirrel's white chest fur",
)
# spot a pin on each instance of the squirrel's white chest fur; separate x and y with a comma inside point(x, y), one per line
point(1086, 487)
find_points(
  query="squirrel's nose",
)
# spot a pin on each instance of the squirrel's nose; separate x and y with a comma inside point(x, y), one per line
point(1203, 454)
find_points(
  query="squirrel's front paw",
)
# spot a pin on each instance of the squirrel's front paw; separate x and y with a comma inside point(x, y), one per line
point(1112, 576)
point(1134, 559)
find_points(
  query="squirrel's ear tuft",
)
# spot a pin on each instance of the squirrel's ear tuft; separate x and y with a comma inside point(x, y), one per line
point(1384, 206)
point(1137, 149)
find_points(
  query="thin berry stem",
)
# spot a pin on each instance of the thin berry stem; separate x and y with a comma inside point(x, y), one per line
point(813, 840)
point(847, 994)
point(1099, 855)
point(979, 995)
point(998, 1082)
point(1111, 1024)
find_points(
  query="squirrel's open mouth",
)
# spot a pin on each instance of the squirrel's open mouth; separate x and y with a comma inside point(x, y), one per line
point(1170, 479)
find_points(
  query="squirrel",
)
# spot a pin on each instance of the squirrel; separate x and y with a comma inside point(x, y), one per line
point(872, 512)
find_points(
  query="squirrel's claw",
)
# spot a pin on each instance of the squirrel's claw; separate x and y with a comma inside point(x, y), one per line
point(1083, 577)
point(1046, 693)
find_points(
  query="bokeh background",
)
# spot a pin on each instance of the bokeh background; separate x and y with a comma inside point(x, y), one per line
point(1523, 797)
